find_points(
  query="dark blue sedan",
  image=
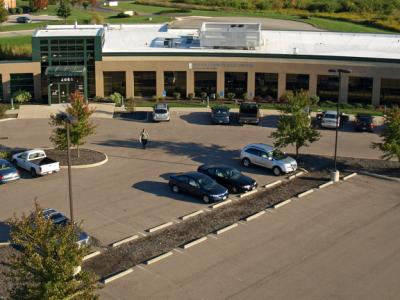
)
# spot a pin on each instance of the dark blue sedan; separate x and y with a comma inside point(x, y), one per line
point(7, 171)
point(199, 185)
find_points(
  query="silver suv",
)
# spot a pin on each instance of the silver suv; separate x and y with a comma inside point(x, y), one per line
point(267, 156)
point(161, 112)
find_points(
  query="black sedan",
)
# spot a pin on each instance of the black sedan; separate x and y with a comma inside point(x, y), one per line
point(7, 171)
point(364, 122)
point(220, 115)
point(229, 177)
point(199, 185)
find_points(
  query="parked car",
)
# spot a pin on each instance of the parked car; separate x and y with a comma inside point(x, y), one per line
point(364, 122)
point(24, 19)
point(161, 112)
point(249, 113)
point(199, 185)
point(229, 177)
point(60, 219)
point(330, 119)
point(220, 115)
point(36, 162)
point(7, 171)
point(267, 156)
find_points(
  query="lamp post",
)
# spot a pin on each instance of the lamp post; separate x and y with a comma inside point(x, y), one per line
point(335, 173)
point(69, 120)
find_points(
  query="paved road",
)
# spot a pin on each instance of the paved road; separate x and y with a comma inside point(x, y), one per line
point(129, 193)
point(338, 243)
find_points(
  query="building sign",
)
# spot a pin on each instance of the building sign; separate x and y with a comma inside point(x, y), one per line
point(208, 66)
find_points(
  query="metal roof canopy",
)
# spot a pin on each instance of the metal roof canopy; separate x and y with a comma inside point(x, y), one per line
point(61, 71)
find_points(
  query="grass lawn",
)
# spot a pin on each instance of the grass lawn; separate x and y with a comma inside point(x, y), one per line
point(16, 40)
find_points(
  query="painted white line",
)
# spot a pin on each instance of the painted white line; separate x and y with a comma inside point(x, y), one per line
point(162, 226)
point(380, 176)
point(125, 240)
point(195, 242)
point(185, 217)
point(5, 244)
point(226, 228)
point(269, 185)
point(248, 193)
point(282, 203)
point(254, 216)
point(93, 254)
point(325, 184)
point(349, 176)
point(221, 203)
point(158, 258)
point(118, 275)
point(305, 193)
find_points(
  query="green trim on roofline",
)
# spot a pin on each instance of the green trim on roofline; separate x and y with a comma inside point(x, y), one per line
point(256, 55)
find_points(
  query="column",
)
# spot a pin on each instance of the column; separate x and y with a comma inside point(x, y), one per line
point(312, 85)
point(251, 85)
point(376, 91)
point(160, 83)
point(189, 83)
point(99, 78)
point(6, 86)
point(37, 86)
point(344, 88)
point(281, 85)
point(221, 83)
point(129, 88)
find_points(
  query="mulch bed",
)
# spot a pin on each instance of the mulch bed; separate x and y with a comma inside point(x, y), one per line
point(6, 283)
point(86, 157)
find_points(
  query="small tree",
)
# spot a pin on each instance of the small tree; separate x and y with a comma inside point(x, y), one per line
point(21, 96)
point(79, 131)
point(47, 265)
point(231, 96)
point(3, 12)
point(64, 11)
point(294, 125)
point(116, 98)
point(390, 135)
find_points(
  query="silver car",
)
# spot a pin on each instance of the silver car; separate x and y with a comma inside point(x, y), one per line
point(161, 112)
point(330, 119)
point(267, 156)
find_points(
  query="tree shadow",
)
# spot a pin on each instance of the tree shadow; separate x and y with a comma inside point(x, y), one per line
point(5, 232)
point(197, 118)
point(270, 121)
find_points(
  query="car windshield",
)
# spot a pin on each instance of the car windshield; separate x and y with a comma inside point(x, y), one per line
point(4, 165)
point(160, 111)
point(222, 112)
point(230, 173)
point(248, 108)
point(329, 116)
point(365, 118)
point(206, 183)
point(277, 154)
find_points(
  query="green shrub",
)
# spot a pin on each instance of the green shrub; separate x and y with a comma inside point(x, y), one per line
point(245, 96)
point(231, 96)
point(122, 15)
point(5, 155)
point(190, 96)
point(21, 96)
point(130, 104)
point(19, 10)
point(345, 105)
point(116, 98)
point(3, 109)
point(328, 103)
point(358, 105)
point(369, 106)
point(96, 19)
point(12, 11)
point(177, 96)
point(203, 95)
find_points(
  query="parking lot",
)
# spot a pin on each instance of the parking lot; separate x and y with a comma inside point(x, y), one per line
point(130, 192)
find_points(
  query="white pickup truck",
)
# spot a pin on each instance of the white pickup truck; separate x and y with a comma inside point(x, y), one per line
point(36, 162)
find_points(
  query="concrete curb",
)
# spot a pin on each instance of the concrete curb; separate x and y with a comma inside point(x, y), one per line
point(158, 258)
point(248, 193)
point(88, 166)
point(125, 240)
point(226, 228)
point(380, 176)
point(305, 193)
point(7, 119)
point(221, 203)
point(195, 242)
point(280, 204)
point(193, 214)
point(5, 244)
point(162, 226)
point(325, 184)
point(90, 255)
point(291, 177)
point(304, 170)
point(254, 216)
point(299, 174)
point(116, 276)
point(349, 176)
point(269, 185)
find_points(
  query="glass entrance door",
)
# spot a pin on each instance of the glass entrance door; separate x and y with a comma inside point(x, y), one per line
point(63, 92)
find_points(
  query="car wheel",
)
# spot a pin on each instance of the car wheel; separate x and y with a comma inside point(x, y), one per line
point(206, 199)
point(175, 189)
point(33, 172)
point(277, 171)
point(246, 162)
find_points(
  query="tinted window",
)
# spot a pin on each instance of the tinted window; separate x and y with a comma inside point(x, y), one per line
point(183, 179)
point(160, 111)
point(329, 116)
point(253, 151)
point(193, 182)
point(249, 108)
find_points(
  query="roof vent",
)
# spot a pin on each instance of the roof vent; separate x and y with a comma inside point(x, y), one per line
point(295, 50)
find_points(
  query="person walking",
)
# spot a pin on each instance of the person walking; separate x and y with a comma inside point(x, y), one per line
point(144, 137)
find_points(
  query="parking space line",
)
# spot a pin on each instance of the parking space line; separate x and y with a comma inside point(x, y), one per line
point(141, 233)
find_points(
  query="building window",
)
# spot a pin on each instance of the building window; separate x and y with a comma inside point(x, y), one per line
point(266, 86)
point(390, 91)
point(297, 82)
point(236, 82)
point(360, 90)
point(175, 82)
point(205, 82)
point(22, 82)
point(114, 82)
point(328, 87)
point(145, 84)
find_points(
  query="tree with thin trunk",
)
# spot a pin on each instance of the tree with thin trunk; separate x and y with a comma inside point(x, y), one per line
point(64, 11)
point(83, 128)
point(47, 266)
point(294, 124)
point(3, 12)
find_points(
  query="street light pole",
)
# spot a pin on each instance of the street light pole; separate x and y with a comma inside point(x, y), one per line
point(335, 174)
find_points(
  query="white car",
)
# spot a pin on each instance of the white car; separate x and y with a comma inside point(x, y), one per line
point(267, 156)
point(36, 162)
point(330, 119)
point(161, 112)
